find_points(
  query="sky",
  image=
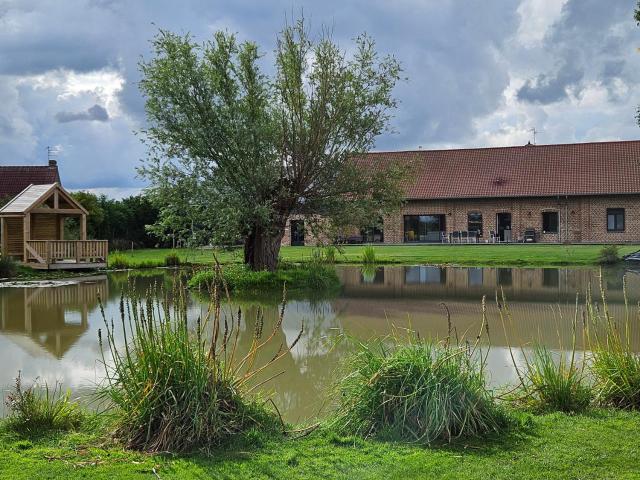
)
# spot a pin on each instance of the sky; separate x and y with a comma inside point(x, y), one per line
point(478, 72)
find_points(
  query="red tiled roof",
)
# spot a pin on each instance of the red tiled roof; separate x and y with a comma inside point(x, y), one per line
point(14, 179)
point(533, 170)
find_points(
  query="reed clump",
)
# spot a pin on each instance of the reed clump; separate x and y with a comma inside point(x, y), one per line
point(369, 255)
point(179, 387)
point(38, 408)
point(614, 363)
point(417, 391)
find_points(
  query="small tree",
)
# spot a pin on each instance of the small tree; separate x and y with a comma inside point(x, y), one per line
point(248, 151)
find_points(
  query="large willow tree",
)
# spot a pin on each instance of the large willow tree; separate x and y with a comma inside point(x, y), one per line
point(235, 152)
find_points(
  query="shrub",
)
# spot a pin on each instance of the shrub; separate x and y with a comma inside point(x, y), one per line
point(118, 261)
point(609, 254)
point(307, 277)
point(172, 260)
point(174, 390)
point(369, 254)
point(553, 384)
point(37, 409)
point(615, 365)
point(421, 391)
point(8, 266)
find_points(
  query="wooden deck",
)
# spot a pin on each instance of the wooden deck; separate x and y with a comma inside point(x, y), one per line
point(66, 254)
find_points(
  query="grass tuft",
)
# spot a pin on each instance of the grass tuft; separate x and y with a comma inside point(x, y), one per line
point(419, 392)
point(368, 254)
point(38, 409)
point(180, 388)
point(172, 260)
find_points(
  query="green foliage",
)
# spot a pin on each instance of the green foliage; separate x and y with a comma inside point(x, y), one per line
point(309, 277)
point(330, 254)
point(419, 392)
point(122, 222)
point(8, 266)
point(172, 260)
point(175, 389)
point(38, 409)
point(609, 254)
point(118, 261)
point(369, 255)
point(615, 364)
point(233, 153)
point(554, 384)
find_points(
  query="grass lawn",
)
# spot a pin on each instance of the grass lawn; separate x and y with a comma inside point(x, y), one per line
point(601, 445)
point(505, 255)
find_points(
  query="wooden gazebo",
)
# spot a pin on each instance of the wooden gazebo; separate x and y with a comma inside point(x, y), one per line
point(32, 228)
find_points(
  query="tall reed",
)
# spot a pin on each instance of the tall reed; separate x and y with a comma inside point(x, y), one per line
point(615, 364)
point(177, 387)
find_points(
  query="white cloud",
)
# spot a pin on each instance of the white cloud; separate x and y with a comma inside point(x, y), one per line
point(537, 16)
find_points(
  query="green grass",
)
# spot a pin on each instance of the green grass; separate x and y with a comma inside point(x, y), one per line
point(543, 255)
point(601, 445)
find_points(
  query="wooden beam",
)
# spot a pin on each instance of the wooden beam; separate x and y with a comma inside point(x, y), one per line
point(60, 227)
point(56, 201)
point(34, 253)
point(59, 211)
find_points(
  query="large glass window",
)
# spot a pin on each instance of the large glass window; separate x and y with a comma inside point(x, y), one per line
point(423, 228)
point(550, 222)
point(425, 275)
point(474, 223)
point(615, 219)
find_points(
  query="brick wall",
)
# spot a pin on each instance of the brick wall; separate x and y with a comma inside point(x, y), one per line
point(581, 219)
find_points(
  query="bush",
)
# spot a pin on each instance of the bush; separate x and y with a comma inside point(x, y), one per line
point(550, 384)
point(8, 266)
point(172, 260)
point(118, 261)
point(38, 409)
point(174, 390)
point(307, 277)
point(420, 392)
point(609, 254)
point(369, 254)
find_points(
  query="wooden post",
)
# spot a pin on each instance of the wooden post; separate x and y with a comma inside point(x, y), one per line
point(3, 236)
point(26, 235)
point(83, 227)
point(60, 227)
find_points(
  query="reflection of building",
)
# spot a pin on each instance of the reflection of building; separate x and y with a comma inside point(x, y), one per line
point(442, 283)
point(49, 319)
point(541, 302)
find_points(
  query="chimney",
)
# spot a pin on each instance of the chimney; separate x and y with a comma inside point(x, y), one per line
point(53, 163)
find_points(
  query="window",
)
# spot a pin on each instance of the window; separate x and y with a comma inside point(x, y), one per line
point(423, 228)
point(505, 277)
point(475, 277)
point(425, 275)
point(550, 222)
point(474, 223)
point(550, 277)
point(615, 219)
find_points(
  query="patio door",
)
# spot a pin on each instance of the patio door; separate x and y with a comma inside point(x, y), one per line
point(297, 233)
point(503, 221)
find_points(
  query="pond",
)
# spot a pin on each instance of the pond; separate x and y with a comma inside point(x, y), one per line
point(52, 332)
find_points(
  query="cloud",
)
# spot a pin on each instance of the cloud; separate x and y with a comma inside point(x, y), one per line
point(96, 113)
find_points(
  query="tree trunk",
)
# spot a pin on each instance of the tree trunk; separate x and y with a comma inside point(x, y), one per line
point(261, 248)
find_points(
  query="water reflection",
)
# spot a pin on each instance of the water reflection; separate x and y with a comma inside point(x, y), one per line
point(51, 333)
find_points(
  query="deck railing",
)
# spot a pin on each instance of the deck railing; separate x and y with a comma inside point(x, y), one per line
point(67, 251)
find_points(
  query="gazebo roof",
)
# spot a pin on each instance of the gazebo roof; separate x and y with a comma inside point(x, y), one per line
point(34, 195)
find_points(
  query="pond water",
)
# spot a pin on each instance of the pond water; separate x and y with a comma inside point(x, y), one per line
point(52, 332)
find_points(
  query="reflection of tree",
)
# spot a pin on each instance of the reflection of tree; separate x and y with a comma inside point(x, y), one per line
point(52, 318)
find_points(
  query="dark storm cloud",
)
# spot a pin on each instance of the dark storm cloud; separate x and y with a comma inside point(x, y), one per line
point(590, 42)
point(95, 113)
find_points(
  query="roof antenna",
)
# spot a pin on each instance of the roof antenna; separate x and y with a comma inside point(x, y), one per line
point(52, 153)
point(535, 132)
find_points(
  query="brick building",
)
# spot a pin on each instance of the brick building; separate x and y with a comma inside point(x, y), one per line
point(585, 192)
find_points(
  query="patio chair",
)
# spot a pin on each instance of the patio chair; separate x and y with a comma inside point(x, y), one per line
point(455, 237)
point(444, 238)
point(493, 237)
point(529, 235)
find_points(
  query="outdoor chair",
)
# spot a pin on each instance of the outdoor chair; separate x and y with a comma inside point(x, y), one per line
point(494, 238)
point(529, 236)
point(455, 237)
point(444, 238)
